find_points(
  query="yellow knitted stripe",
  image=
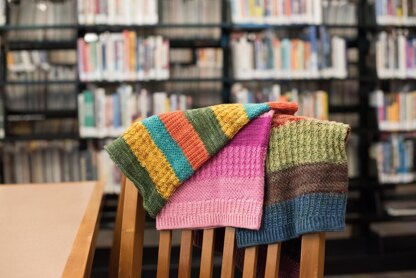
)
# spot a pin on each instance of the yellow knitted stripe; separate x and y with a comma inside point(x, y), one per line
point(231, 118)
point(304, 142)
point(152, 159)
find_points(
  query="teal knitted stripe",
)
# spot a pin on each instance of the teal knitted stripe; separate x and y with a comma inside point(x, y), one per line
point(208, 128)
point(124, 158)
point(319, 212)
point(169, 147)
point(254, 110)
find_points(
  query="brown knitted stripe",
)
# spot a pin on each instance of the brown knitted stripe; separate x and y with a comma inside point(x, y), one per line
point(305, 179)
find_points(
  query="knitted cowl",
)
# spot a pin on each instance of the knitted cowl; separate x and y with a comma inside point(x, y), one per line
point(306, 180)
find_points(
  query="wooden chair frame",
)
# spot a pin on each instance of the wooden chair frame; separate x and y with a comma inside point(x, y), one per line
point(127, 252)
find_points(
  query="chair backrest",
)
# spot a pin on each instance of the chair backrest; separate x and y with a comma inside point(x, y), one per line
point(127, 252)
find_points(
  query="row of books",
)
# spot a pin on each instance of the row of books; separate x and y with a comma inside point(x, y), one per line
point(191, 11)
point(283, 12)
point(39, 65)
point(395, 111)
point(394, 159)
point(395, 12)
point(196, 63)
point(266, 55)
point(395, 55)
point(42, 98)
point(129, 12)
point(58, 161)
point(339, 12)
point(122, 56)
point(22, 126)
point(311, 103)
point(2, 12)
point(108, 115)
point(48, 12)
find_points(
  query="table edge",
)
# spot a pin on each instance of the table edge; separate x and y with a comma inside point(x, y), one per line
point(80, 259)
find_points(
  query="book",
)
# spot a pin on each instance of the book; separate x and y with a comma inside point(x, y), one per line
point(395, 55)
point(270, 55)
point(105, 114)
point(339, 12)
point(32, 13)
point(2, 134)
point(196, 63)
point(276, 12)
point(3, 12)
point(394, 111)
point(394, 158)
point(311, 103)
point(121, 12)
point(122, 57)
point(191, 12)
point(395, 12)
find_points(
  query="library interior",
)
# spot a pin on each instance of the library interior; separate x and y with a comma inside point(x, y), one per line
point(208, 138)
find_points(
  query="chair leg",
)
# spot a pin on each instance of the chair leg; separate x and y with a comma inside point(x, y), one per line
point(132, 233)
point(115, 250)
point(312, 255)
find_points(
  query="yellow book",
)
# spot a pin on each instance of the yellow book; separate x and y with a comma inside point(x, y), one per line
point(132, 44)
point(252, 7)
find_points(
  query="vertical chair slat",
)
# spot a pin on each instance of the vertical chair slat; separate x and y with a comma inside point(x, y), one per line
point(132, 233)
point(250, 262)
point(227, 270)
point(115, 250)
point(207, 255)
point(163, 259)
point(185, 256)
point(272, 260)
point(312, 255)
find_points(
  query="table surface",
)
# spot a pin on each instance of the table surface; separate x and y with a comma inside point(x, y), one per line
point(43, 227)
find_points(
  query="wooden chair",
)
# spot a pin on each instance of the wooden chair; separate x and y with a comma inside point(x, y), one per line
point(127, 252)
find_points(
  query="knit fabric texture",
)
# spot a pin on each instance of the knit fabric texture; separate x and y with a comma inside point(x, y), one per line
point(228, 190)
point(161, 152)
point(306, 180)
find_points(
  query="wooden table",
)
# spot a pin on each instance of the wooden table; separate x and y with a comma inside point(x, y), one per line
point(48, 230)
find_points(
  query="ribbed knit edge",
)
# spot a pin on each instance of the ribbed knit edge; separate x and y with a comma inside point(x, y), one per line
point(211, 213)
point(318, 212)
point(124, 158)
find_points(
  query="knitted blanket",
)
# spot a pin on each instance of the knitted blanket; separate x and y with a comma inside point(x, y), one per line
point(209, 167)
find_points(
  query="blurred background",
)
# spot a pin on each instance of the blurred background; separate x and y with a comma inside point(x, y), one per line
point(74, 74)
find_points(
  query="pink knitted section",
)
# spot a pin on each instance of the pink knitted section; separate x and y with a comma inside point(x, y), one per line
point(228, 190)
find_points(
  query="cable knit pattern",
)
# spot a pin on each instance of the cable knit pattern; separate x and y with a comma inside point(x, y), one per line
point(228, 190)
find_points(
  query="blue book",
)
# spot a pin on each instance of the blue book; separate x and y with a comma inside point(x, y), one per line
point(285, 54)
point(116, 110)
point(139, 45)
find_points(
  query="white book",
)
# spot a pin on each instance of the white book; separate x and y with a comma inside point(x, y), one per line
point(143, 103)
point(99, 103)
point(159, 100)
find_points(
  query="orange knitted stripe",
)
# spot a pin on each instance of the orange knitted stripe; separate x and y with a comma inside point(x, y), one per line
point(186, 137)
point(284, 107)
point(281, 119)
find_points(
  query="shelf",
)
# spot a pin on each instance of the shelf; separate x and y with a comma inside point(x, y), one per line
point(43, 137)
point(117, 28)
point(172, 80)
point(344, 108)
point(40, 45)
point(38, 82)
point(45, 114)
point(37, 27)
point(254, 26)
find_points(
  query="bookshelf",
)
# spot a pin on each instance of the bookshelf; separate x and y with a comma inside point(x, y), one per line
point(360, 31)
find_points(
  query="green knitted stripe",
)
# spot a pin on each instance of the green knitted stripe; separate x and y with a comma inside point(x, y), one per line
point(304, 142)
point(208, 128)
point(121, 154)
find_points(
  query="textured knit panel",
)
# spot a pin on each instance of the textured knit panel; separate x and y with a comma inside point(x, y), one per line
point(186, 137)
point(230, 122)
point(226, 191)
point(253, 110)
point(306, 141)
point(124, 158)
point(152, 159)
point(169, 147)
point(209, 129)
point(306, 180)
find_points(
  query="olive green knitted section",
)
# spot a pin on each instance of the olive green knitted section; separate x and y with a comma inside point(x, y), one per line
point(208, 128)
point(306, 141)
point(121, 154)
